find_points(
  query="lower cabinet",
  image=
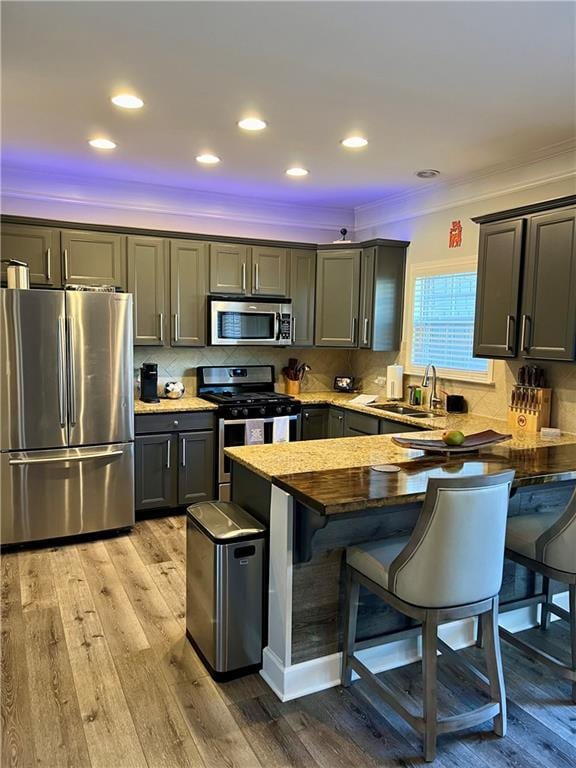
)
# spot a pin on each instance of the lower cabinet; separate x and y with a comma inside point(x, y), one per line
point(335, 422)
point(314, 423)
point(389, 427)
point(359, 424)
point(174, 468)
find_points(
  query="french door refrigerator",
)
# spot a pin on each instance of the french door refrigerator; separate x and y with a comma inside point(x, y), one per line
point(66, 413)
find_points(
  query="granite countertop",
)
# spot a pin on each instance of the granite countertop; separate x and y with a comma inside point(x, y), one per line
point(166, 405)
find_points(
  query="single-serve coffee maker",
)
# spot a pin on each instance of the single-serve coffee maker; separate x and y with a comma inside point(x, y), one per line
point(149, 383)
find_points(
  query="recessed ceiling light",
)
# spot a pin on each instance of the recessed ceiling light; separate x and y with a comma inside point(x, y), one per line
point(296, 171)
point(427, 173)
point(354, 142)
point(208, 159)
point(252, 124)
point(127, 101)
point(101, 143)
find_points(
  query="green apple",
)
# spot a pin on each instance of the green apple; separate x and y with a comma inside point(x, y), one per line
point(453, 438)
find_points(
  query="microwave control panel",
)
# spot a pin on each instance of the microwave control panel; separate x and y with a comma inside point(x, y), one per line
point(285, 327)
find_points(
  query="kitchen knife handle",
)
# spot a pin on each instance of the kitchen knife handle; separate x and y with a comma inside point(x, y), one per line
point(509, 319)
point(525, 320)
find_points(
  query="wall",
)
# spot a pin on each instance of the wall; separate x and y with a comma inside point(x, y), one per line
point(424, 219)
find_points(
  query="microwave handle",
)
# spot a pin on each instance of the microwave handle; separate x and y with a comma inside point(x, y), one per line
point(278, 323)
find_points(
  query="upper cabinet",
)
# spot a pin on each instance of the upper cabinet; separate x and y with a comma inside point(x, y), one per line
point(269, 271)
point(337, 293)
point(249, 271)
point(93, 258)
point(148, 282)
point(37, 247)
point(526, 302)
point(360, 296)
point(188, 289)
point(229, 272)
point(498, 286)
point(303, 294)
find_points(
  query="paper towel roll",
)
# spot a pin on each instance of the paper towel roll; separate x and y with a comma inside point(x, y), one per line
point(394, 384)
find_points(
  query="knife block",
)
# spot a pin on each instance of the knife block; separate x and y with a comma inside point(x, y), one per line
point(531, 409)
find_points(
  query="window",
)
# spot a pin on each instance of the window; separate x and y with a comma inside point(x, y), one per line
point(441, 306)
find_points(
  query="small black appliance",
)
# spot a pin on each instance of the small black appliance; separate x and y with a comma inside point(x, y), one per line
point(149, 383)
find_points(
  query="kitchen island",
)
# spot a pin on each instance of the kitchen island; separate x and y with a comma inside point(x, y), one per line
point(318, 497)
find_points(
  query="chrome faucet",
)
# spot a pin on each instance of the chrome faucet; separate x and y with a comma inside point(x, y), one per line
point(435, 401)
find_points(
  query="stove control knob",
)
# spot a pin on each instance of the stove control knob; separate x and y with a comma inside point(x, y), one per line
point(262, 411)
point(244, 411)
point(288, 409)
point(234, 412)
point(279, 409)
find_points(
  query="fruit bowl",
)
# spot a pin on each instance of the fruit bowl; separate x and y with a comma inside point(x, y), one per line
point(470, 444)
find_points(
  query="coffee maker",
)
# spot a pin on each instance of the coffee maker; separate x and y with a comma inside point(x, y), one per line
point(149, 383)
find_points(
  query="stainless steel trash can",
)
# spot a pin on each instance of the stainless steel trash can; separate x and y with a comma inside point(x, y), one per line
point(224, 582)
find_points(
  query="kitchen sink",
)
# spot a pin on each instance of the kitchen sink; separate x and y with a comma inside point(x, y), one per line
point(406, 410)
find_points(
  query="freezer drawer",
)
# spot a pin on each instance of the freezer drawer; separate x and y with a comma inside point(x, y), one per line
point(48, 494)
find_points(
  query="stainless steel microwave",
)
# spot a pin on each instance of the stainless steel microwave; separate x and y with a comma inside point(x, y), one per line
point(249, 322)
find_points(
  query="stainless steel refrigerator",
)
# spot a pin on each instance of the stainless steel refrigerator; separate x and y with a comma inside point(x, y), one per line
point(66, 413)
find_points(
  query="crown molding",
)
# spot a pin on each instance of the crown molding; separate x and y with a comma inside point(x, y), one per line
point(64, 193)
point(554, 163)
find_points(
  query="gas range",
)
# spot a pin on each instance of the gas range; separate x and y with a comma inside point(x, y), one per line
point(244, 392)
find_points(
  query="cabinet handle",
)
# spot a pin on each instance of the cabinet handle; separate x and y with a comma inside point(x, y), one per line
point(340, 418)
point(244, 277)
point(365, 341)
point(353, 330)
point(161, 321)
point(168, 453)
point(256, 277)
point(65, 253)
point(176, 328)
point(306, 415)
point(49, 264)
point(525, 320)
point(509, 319)
point(293, 330)
point(183, 451)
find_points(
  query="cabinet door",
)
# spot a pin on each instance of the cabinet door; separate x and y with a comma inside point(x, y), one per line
point(229, 271)
point(366, 297)
point(390, 427)
point(498, 289)
point(188, 263)
point(314, 423)
point(155, 471)
point(148, 282)
point(303, 294)
point(196, 471)
point(356, 424)
point(269, 271)
point(93, 258)
point(37, 247)
point(335, 422)
point(549, 297)
point(337, 290)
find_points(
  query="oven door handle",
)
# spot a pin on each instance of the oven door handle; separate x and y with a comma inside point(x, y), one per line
point(268, 420)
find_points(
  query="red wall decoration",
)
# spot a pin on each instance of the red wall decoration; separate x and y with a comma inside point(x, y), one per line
point(455, 239)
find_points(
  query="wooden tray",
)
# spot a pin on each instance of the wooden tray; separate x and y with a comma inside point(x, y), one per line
point(471, 443)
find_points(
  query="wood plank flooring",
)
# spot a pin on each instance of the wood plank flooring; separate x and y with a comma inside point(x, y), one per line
point(97, 673)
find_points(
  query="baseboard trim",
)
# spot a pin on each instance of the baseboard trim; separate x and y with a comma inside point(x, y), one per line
point(297, 680)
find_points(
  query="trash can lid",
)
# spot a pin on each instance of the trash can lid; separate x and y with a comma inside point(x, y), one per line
point(223, 520)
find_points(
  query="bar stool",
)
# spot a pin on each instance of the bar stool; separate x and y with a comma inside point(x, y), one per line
point(546, 544)
point(449, 568)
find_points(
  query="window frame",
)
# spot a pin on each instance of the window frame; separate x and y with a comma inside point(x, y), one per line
point(432, 269)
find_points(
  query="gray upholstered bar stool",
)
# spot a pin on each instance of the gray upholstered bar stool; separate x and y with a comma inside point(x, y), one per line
point(546, 544)
point(449, 568)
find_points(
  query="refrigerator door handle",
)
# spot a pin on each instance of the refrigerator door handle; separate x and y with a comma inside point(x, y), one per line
point(71, 371)
point(80, 457)
point(62, 371)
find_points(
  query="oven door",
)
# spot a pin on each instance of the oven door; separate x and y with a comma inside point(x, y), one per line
point(231, 434)
point(251, 323)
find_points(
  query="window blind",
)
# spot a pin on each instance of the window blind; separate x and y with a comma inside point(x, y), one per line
point(443, 322)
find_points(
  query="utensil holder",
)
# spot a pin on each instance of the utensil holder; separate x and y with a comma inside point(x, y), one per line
point(531, 409)
point(292, 387)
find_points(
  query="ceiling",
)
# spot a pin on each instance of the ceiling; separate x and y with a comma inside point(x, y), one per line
point(454, 86)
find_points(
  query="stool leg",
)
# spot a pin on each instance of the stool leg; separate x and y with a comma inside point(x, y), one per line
point(350, 617)
point(494, 665)
point(547, 590)
point(572, 610)
point(430, 674)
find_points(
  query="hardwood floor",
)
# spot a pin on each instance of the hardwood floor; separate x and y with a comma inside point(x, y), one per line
point(97, 673)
